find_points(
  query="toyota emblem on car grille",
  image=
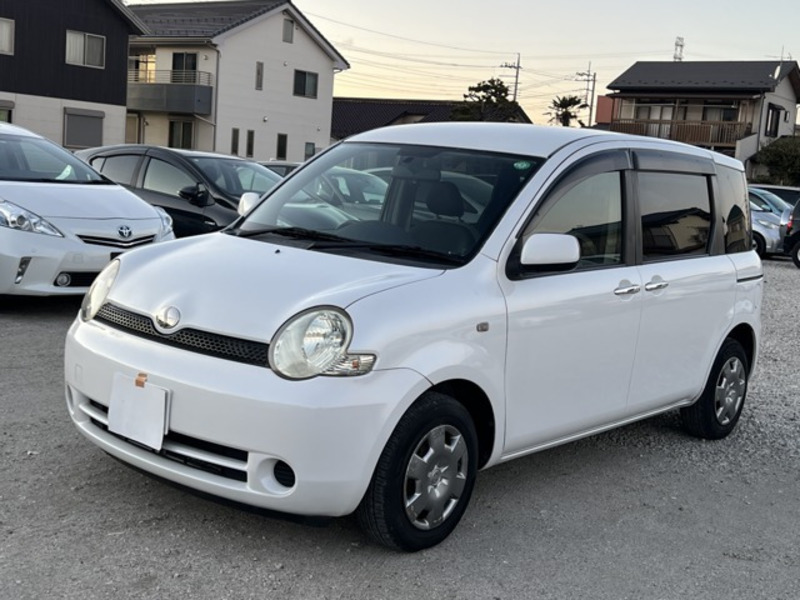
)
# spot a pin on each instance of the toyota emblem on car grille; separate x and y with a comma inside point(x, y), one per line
point(124, 232)
point(168, 317)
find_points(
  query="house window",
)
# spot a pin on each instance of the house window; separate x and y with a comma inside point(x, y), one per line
point(305, 84)
point(773, 120)
point(86, 49)
point(184, 67)
point(311, 150)
point(235, 141)
point(251, 142)
point(283, 142)
point(259, 75)
point(6, 106)
point(727, 113)
point(181, 134)
point(288, 31)
point(142, 68)
point(6, 36)
point(83, 128)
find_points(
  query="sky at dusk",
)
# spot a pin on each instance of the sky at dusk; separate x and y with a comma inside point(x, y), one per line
point(436, 49)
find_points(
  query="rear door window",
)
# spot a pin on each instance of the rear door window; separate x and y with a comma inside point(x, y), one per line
point(119, 168)
point(675, 214)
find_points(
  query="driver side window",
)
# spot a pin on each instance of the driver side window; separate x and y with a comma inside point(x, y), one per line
point(591, 211)
point(164, 178)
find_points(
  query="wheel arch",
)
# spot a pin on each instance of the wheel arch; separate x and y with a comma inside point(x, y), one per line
point(477, 403)
point(746, 336)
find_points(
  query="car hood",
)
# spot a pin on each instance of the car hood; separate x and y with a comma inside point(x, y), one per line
point(76, 201)
point(244, 287)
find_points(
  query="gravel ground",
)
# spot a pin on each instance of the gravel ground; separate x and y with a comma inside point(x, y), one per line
point(644, 512)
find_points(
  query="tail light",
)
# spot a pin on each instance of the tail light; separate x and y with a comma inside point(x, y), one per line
point(789, 225)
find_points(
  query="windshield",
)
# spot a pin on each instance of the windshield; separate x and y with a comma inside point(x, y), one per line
point(234, 177)
point(416, 204)
point(24, 158)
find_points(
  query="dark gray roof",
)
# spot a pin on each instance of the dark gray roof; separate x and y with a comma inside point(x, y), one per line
point(705, 76)
point(200, 19)
point(354, 115)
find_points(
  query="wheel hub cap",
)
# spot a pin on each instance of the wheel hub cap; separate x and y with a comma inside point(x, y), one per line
point(731, 387)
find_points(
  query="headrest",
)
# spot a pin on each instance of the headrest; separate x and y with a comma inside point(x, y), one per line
point(445, 200)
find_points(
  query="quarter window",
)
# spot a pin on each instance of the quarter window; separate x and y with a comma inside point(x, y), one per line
point(676, 215)
point(119, 168)
point(86, 49)
point(734, 209)
point(305, 84)
point(6, 36)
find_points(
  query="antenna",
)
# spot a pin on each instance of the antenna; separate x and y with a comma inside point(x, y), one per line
point(678, 55)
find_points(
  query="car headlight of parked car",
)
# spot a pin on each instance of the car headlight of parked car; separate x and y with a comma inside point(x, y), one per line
point(767, 224)
point(166, 221)
point(98, 292)
point(16, 217)
point(315, 342)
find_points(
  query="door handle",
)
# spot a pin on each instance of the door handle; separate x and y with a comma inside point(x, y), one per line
point(655, 285)
point(628, 290)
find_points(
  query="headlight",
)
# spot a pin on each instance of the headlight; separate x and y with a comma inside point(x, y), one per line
point(315, 342)
point(98, 292)
point(767, 224)
point(16, 217)
point(166, 221)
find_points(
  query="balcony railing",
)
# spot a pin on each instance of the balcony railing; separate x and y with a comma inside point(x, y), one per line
point(168, 76)
point(698, 133)
point(181, 92)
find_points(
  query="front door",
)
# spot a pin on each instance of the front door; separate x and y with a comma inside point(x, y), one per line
point(572, 336)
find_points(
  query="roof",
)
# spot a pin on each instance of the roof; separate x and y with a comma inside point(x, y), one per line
point(707, 76)
point(208, 20)
point(136, 25)
point(354, 115)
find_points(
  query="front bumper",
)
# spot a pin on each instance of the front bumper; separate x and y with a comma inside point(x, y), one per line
point(233, 429)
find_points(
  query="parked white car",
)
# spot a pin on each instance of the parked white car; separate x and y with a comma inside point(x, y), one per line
point(60, 221)
point(373, 361)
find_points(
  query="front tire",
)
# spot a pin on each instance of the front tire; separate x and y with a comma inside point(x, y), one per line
point(424, 477)
point(759, 245)
point(717, 411)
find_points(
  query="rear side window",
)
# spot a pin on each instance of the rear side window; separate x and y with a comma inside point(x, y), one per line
point(734, 209)
point(676, 215)
point(119, 168)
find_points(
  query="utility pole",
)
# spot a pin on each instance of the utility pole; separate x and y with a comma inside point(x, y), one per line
point(591, 81)
point(516, 68)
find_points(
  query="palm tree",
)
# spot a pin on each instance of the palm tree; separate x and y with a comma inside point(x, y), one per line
point(562, 109)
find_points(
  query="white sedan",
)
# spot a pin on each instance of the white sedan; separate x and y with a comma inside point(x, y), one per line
point(60, 221)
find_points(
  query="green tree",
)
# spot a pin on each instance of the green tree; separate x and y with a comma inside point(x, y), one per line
point(487, 101)
point(782, 158)
point(563, 109)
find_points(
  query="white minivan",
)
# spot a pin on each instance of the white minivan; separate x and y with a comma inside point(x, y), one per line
point(61, 222)
point(333, 352)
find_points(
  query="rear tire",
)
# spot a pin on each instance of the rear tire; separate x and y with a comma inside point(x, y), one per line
point(424, 477)
point(718, 408)
point(796, 255)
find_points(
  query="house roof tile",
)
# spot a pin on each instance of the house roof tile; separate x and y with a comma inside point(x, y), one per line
point(200, 19)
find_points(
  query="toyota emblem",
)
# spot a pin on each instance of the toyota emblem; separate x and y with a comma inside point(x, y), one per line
point(168, 317)
point(124, 232)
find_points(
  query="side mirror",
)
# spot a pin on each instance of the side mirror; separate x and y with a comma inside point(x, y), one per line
point(553, 250)
point(246, 202)
point(197, 195)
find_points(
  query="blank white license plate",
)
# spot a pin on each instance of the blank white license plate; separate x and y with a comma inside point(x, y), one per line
point(138, 411)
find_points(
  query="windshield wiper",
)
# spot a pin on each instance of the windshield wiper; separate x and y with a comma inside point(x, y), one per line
point(298, 233)
point(400, 250)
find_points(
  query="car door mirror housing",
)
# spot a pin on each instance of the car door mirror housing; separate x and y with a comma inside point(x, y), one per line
point(247, 201)
point(197, 195)
point(550, 250)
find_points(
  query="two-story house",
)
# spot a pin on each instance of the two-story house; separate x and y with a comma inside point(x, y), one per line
point(247, 77)
point(62, 68)
point(732, 107)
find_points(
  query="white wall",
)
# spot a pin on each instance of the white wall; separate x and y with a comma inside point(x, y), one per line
point(45, 116)
point(240, 105)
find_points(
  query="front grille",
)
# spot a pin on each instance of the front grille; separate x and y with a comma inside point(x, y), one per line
point(194, 340)
point(117, 243)
point(223, 461)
